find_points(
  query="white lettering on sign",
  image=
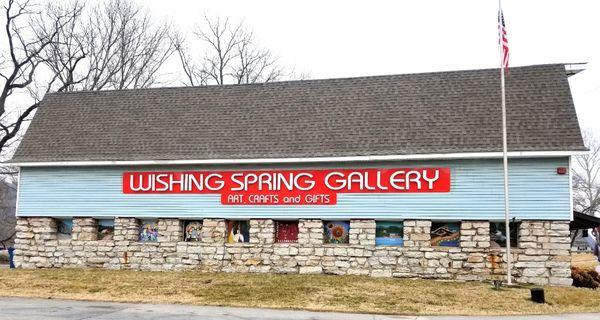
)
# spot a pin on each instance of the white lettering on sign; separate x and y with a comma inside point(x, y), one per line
point(431, 180)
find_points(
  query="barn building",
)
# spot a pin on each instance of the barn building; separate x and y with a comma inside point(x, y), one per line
point(393, 176)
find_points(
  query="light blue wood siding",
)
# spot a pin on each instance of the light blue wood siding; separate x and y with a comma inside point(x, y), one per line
point(536, 192)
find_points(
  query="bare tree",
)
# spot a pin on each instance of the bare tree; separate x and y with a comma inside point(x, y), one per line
point(194, 74)
point(123, 48)
point(586, 177)
point(65, 47)
point(29, 32)
point(231, 56)
point(254, 64)
point(222, 39)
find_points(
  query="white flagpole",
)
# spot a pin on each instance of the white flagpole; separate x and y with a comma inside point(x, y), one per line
point(504, 150)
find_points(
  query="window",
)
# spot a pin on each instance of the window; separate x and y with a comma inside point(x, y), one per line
point(498, 234)
point(286, 231)
point(193, 231)
point(148, 231)
point(106, 229)
point(445, 234)
point(389, 233)
point(336, 231)
point(238, 231)
point(64, 228)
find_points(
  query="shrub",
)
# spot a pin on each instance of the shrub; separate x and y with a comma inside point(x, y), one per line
point(585, 278)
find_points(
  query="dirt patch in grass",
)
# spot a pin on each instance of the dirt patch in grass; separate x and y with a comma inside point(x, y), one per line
point(320, 293)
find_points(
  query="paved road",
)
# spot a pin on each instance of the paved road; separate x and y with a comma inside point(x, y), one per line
point(38, 309)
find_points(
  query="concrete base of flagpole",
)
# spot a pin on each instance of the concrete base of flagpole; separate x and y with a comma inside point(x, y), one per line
point(501, 283)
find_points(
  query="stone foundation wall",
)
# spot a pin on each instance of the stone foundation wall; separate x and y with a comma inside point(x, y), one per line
point(542, 257)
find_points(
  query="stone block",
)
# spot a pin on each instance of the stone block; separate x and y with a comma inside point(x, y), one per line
point(475, 258)
point(559, 281)
point(468, 244)
point(423, 223)
point(524, 257)
point(467, 232)
point(556, 225)
point(556, 246)
point(560, 272)
point(530, 264)
point(310, 270)
point(535, 272)
point(381, 273)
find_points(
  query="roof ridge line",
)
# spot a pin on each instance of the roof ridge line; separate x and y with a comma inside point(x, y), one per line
point(262, 84)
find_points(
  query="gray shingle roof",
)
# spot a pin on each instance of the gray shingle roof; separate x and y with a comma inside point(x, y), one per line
point(442, 112)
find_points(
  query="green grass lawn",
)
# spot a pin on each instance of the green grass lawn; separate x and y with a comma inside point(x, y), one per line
point(314, 292)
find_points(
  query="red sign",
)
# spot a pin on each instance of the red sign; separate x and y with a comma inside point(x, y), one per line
point(288, 187)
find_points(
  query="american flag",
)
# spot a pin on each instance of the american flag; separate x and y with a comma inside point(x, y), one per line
point(503, 39)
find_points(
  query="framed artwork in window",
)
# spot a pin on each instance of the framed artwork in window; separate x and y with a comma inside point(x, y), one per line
point(389, 233)
point(445, 234)
point(238, 231)
point(286, 231)
point(193, 231)
point(498, 234)
point(106, 229)
point(148, 231)
point(64, 229)
point(336, 232)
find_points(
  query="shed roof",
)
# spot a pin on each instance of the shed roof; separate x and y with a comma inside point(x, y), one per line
point(424, 113)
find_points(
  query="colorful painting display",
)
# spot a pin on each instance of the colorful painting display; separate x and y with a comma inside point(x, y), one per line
point(336, 232)
point(65, 229)
point(193, 231)
point(445, 234)
point(238, 231)
point(148, 231)
point(389, 233)
point(286, 231)
point(498, 234)
point(106, 229)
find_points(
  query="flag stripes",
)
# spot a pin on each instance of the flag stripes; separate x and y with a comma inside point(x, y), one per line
point(503, 39)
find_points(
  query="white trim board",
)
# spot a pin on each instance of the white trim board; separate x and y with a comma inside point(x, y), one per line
point(18, 193)
point(571, 186)
point(431, 156)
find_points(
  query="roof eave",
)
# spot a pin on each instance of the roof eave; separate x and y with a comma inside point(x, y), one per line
point(431, 156)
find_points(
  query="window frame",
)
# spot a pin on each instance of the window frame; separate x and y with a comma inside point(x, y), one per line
point(389, 245)
point(141, 223)
point(64, 236)
point(458, 222)
point(326, 238)
point(227, 231)
point(98, 231)
point(277, 234)
point(185, 225)
point(517, 229)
